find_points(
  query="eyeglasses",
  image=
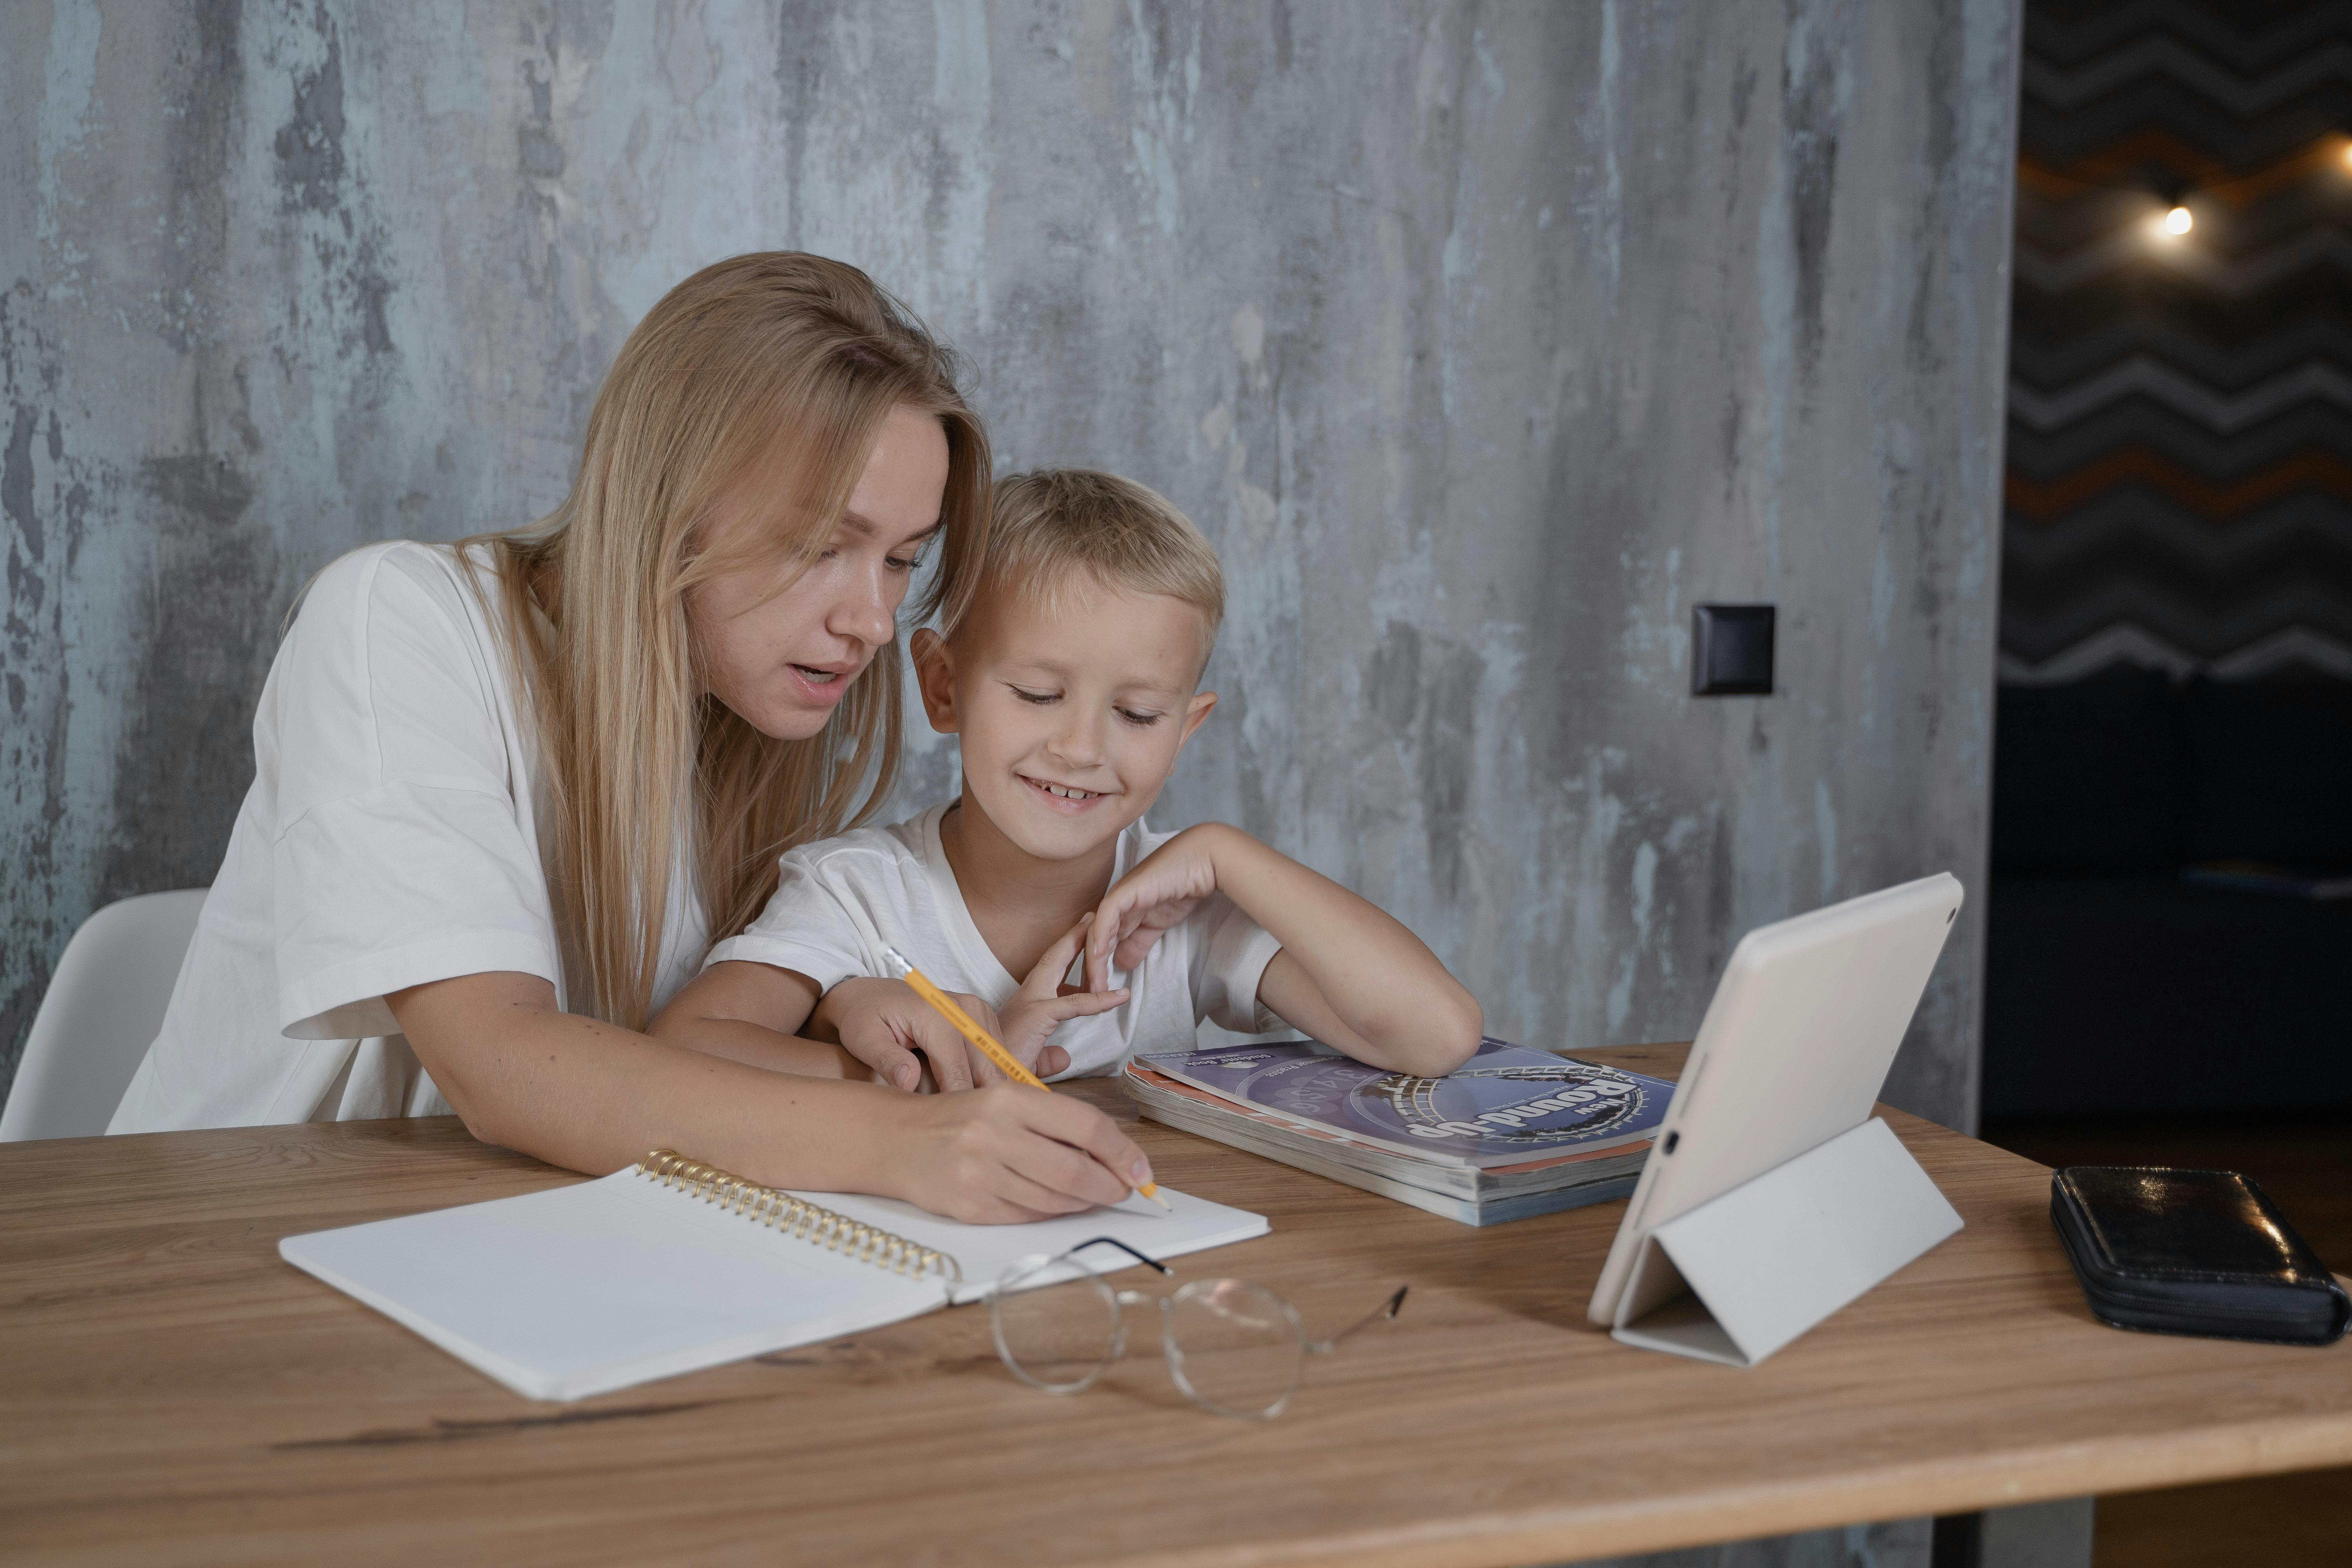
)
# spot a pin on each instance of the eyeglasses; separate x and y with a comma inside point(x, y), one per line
point(1234, 1348)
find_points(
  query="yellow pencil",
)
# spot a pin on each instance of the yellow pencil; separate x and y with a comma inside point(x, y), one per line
point(1006, 1062)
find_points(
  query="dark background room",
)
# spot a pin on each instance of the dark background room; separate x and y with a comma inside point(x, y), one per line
point(2169, 952)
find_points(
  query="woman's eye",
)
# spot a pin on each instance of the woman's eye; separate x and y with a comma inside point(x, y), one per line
point(904, 564)
point(1141, 720)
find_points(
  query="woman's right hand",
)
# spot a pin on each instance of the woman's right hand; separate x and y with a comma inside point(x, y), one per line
point(1006, 1154)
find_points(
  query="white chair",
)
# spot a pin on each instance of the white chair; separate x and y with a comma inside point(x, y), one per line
point(102, 1010)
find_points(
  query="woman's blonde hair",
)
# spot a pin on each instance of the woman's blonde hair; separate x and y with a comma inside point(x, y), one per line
point(775, 370)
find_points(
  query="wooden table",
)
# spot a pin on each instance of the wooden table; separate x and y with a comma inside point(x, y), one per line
point(171, 1391)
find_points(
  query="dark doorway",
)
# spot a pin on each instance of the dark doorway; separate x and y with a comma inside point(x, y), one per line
point(2169, 969)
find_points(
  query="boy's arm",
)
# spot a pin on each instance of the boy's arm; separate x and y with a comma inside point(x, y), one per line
point(1348, 973)
point(765, 989)
point(874, 1030)
point(753, 1013)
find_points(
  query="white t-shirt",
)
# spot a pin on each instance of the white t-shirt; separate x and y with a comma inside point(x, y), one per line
point(393, 836)
point(842, 900)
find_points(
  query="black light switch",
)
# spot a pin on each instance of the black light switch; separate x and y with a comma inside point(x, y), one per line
point(1731, 650)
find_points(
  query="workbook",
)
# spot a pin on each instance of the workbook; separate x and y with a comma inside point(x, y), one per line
point(671, 1266)
point(1509, 1134)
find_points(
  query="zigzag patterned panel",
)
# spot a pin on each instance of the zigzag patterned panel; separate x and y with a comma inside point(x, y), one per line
point(2179, 482)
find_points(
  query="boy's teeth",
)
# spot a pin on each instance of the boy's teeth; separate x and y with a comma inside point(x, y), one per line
point(1068, 793)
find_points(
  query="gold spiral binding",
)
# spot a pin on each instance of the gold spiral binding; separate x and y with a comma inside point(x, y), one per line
point(797, 1216)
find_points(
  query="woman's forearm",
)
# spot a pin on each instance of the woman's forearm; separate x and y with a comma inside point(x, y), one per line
point(593, 1097)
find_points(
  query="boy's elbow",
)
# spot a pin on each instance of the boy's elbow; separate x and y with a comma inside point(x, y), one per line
point(686, 1023)
point(1463, 1028)
point(1449, 1035)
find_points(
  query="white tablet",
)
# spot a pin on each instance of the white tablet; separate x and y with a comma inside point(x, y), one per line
point(1794, 1051)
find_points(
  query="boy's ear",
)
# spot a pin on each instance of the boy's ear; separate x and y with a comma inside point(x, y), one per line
point(1197, 709)
point(935, 678)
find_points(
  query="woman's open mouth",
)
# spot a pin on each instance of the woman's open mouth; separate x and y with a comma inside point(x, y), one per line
point(821, 685)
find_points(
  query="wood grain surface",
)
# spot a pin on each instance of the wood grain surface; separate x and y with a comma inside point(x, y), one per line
point(171, 1391)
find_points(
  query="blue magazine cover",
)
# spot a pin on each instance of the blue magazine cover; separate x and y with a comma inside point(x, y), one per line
point(1506, 1105)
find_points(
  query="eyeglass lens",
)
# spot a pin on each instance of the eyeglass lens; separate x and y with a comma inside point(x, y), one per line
point(1057, 1337)
point(1233, 1347)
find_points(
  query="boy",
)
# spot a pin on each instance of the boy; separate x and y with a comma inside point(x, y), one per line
point(1072, 685)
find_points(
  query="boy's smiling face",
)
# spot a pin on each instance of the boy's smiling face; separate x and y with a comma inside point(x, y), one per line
point(1070, 718)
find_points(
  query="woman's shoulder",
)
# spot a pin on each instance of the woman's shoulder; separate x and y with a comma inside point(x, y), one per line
point(402, 577)
point(393, 629)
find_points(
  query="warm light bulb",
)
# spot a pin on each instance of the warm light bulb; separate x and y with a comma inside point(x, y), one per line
point(2348, 153)
point(2178, 221)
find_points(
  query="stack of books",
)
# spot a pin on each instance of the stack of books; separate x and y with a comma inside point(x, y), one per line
point(1510, 1133)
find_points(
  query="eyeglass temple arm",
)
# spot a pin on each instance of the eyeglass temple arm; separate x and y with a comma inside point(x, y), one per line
point(1114, 1241)
point(1386, 1309)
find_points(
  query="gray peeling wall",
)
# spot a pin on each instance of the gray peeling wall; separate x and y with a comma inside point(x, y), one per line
point(1484, 339)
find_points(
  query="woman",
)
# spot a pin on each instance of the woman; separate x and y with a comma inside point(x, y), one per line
point(505, 791)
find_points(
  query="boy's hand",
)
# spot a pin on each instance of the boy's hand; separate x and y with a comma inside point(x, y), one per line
point(1143, 904)
point(884, 1024)
point(1039, 1008)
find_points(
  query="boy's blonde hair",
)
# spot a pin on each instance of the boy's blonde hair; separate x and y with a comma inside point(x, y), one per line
point(1054, 527)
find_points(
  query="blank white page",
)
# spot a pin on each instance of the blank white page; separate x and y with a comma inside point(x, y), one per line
point(585, 1288)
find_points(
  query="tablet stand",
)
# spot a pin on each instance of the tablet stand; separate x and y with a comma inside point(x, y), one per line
point(1744, 1273)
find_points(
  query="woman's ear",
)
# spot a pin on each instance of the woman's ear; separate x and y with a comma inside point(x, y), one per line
point(935, 678)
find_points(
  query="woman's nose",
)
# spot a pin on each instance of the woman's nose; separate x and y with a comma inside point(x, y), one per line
point(867, 610)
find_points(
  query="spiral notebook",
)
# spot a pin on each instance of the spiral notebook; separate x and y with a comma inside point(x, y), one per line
point(672, 1266)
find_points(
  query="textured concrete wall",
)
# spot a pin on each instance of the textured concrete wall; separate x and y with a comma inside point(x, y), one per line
point(1483, 340)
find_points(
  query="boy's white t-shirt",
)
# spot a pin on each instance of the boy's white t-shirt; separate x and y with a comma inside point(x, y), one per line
point(393, 836)
point(842, 900)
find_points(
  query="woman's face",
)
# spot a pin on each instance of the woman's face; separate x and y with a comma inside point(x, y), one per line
point(783, 661)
